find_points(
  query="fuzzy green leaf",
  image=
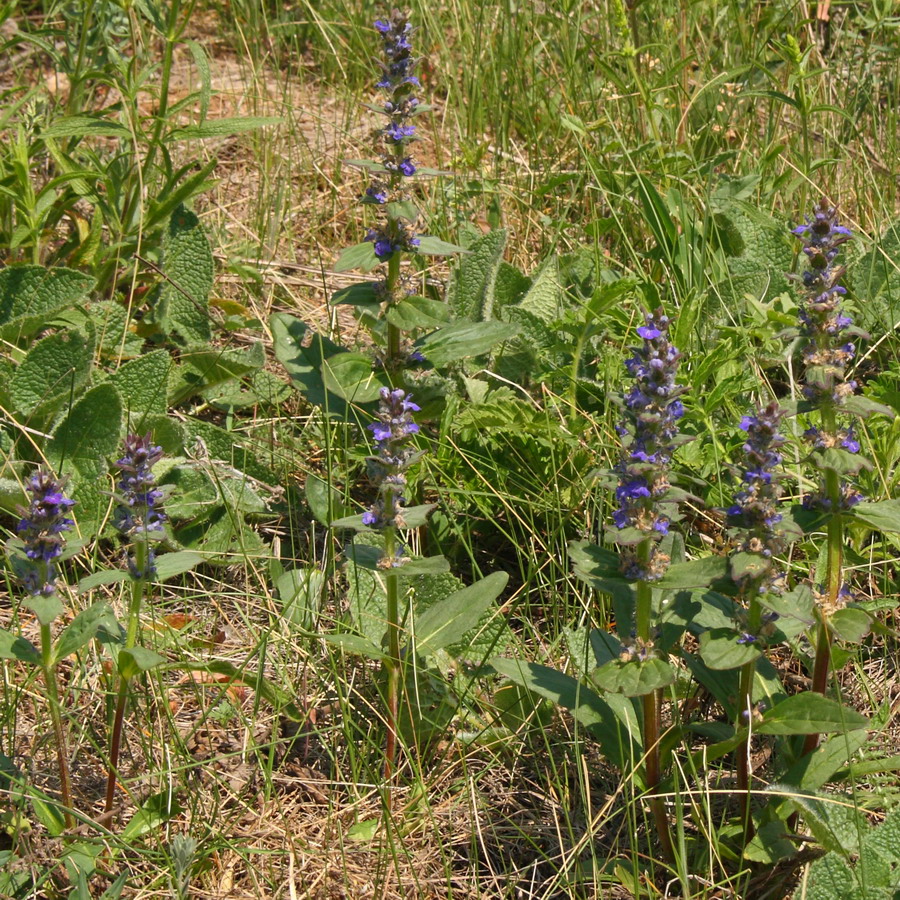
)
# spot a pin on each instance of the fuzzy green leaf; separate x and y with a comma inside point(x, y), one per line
point(325, 501)
point(364, 294)
point(142, 382)
point(90, 432)
point(850, 624)
point(189, 267)
point(544, 298)
point(31, 295)
point(470, 293)
point(56, 368)
point(85, 126)
point(168, 565)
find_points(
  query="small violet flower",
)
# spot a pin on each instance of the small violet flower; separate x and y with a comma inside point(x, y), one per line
point(392, 432)
point(652, 410)
point(139, 515)
point(397, 81)
point(826, 353)
point(42, 529)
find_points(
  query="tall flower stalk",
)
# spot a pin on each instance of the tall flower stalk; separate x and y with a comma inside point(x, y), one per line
point(827, 353)
point(42, 531)
point(140, 518)
point(394, 455)
point(649, 430)
point(394, 233)
point(754, 566)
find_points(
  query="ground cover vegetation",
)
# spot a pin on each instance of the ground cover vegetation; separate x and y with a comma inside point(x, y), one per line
point(449, 451)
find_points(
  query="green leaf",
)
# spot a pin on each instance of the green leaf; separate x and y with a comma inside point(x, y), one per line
point(300, 592)
point(633, 677)
point(418, 312)
point(815, 769)
point(696, 573)
point(85, 126)
point(31, 295)
point(427, 565)
point(153, 813)
point(303, 353)
point(47, 609)
point(462, 340)
point(470, 293)
point(188, 265)
point(81, 630)
point(356, 644)
point(203, 369)
point(363, 294)
point(864, 407)
point(137, 659)
point(432, 246)
point(850, 624)
point(841, 461)
point(770, 844)
point(89, 433)
point(326, 503)
point(720, 650)
point(809, 713)
point(56, 368)
point(113, 327)
point(105, 576)
point(14, 646)
point(835, 824)
point(142, 382)
point(350, 377)
point(449, 620)
point(168, 565)
point(882, 514)
point(612, 722)
point(359, 256)
point(219, 128)
point(544, 299)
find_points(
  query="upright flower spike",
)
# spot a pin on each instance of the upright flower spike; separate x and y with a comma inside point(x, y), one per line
point(140, 515)
point(398, 80)
point(392, 431)
point(652, 410)
point(42, 529)
point(755, 517)
point(827, 351)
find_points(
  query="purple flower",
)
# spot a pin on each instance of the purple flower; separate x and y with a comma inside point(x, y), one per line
point(754, 514)
point(652, 409)
point(41, 530)
point(392, 432)
point(139, 514)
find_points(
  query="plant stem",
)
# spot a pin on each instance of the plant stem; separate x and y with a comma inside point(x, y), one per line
point(49, 671)
point(392, 285)
point(141, 554)
point(651, 704)
point(833, 581)
point(745, 703)
point(392, 665)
